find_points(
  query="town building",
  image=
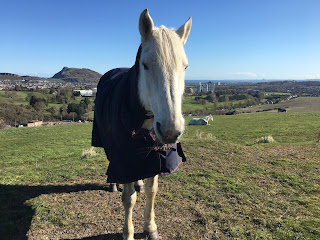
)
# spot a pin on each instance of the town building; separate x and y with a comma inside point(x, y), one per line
point(34, 123)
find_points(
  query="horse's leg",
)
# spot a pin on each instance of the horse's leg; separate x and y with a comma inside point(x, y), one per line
point(150, 227)
point(139, 186)
point(113, 187)
point(129, 197)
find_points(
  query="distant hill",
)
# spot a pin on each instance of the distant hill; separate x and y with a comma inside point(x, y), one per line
point(9, 74)
point(78, 75)
point(12, 76)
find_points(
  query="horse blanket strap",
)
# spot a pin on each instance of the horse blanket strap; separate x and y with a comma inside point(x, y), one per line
point(133, 152)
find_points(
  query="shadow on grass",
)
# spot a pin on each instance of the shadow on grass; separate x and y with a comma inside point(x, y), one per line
point(16, 216)
point(110, 236)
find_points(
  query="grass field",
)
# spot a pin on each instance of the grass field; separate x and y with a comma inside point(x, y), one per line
point(190, 105)
point(230, 187)
point(20, 98)
point(301, 104)
point(245, 128)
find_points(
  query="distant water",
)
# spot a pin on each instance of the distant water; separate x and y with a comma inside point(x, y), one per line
point(225, 81)
point(246, 81)
point(205, 81)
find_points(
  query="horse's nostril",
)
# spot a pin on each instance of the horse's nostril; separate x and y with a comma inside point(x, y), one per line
point(168, 137)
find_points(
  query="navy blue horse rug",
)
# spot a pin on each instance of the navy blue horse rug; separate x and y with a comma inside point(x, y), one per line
point(133, 152)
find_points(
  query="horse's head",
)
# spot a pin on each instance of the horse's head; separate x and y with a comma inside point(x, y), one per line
point(162, 71)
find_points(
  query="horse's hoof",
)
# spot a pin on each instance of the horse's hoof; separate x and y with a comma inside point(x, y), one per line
point(113, 187)
point(151, 236)
point(139, 189)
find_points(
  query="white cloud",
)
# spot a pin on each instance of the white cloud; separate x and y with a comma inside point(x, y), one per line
point(313, 76)
point(248, 75)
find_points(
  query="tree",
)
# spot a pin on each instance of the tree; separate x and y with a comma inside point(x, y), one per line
point(33, 100)
point(227, 100)
point(39, 105)
point(211, 97)
point(51, 110)
point(73, 107)
point(87, 101)
point(80, 108)
point(76, 93)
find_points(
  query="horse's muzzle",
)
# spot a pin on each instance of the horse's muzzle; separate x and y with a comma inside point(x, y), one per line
point(167, 136)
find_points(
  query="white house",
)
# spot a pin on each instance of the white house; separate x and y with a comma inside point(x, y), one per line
point(85, 93)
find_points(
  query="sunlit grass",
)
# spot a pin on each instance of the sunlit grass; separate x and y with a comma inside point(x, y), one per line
point(225, 190)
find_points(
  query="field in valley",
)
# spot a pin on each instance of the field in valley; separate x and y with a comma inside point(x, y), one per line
point(301, 104)
point(231, 187)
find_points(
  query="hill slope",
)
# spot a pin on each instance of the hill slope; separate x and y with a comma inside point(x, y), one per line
point(300, 104)
point(78, 75)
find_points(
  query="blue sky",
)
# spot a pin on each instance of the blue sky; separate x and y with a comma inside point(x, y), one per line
point(230, 39)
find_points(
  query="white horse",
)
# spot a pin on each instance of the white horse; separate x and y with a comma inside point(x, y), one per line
point(161, 86)
point(201, 121)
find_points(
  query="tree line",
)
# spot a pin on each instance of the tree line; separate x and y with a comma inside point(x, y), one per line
point(229, 98)
point(49, 105)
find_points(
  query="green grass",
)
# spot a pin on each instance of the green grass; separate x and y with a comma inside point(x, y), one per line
point(42, 155)
point(246, 128)
point(21, 97)
point(190, 105)
point(255, 192)
point(300, 104)
point(228, 188)
point(277, 93)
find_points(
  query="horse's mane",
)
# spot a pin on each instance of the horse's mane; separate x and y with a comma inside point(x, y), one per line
point(208, 118)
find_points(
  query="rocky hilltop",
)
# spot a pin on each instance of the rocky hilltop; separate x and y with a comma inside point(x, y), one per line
point(78, 75)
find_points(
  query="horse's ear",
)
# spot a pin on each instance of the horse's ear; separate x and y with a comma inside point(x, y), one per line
point(184, 30)
point(145, 24)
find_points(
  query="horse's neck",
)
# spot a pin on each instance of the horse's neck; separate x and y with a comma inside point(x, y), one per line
point(148, 124)
point(207, 118)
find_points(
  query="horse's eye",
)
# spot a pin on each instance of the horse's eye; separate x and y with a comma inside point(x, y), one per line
point(145, 66)
point(186, 67)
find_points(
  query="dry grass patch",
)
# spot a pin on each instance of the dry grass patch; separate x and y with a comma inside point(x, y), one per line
point(91, 152)
point(202, 135)
point(265, 139)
